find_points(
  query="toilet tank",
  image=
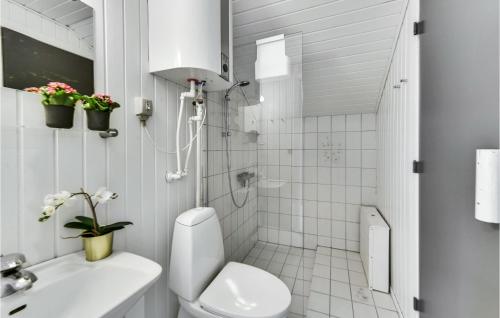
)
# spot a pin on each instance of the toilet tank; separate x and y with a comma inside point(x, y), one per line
point(197, 252)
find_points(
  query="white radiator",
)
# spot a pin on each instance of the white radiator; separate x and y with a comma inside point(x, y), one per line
point(374, 246)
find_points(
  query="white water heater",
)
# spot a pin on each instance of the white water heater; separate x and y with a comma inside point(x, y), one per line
point(191, 39)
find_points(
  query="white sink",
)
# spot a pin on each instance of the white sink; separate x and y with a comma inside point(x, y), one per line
point(69, 286)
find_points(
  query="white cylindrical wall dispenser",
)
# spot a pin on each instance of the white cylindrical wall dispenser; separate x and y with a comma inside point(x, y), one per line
point(191, 39)
point(488, 185)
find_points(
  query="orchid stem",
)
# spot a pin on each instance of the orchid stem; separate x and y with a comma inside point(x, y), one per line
point(92, 209)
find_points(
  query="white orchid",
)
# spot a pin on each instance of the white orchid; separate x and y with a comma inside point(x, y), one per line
point(102, 195)
point(47, 212)
point(89, 225)
point(52, 202)
point(58, 198)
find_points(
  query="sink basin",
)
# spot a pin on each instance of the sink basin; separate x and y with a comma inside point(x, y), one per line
point(69, 286)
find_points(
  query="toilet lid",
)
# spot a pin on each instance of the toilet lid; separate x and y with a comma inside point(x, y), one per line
point(244, 291)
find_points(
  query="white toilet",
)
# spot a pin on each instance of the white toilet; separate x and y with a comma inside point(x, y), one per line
point(207, 288)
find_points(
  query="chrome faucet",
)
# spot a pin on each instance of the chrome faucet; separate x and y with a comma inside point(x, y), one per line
point(14, 278)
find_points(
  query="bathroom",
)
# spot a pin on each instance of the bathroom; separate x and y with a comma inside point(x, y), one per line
point(350, 129)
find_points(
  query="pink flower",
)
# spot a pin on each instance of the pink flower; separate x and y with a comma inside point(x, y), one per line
point(54, 87)
point(32, 90)
point(103, 97)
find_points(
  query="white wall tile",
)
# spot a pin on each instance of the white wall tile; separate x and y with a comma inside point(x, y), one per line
point(369, 159)
point(353, 158)
point(339, 140)
point(353, 140)
point(310, 124)
point(339, 123)
point(327, 172)
point(353, 195)
point(324, 124)
point(353, 122)
point(324, 175)
point(369, 177)
point(369, 140)
point(353, 176)
point(368, 122)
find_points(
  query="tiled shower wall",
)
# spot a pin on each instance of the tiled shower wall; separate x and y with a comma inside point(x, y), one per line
point(239, 225)
point(334, 165)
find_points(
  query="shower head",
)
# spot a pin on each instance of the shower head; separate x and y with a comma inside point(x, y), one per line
point(237, 84)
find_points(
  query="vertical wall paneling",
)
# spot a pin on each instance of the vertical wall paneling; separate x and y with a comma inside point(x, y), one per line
point(397, 185)
point(37, 160)
point(10, 173)
point(115, 86)
point(132, 132)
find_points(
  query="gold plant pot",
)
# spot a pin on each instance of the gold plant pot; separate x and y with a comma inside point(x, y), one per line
point(98, 247)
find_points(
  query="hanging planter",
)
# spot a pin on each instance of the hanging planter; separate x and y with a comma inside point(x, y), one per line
point(98, 108)
point(59, 116)
point(59, 101)
point(97, 120)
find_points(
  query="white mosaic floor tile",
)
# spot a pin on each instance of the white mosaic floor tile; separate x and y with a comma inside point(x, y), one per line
point(383, 300)
point(319, 302)
point(327, 283)
point(384, 313)
point(315, 314)
point(339, 289)
point(290, 270)
point(293, 259)
point(355, 266)
point(362, 295)
point(341, 275)
point(274, 268)
point(358, 279)
point(320, 285)
point(364, 311)
point(340, 308)
point(297, 305)
point(339, 262)
point(321, 271)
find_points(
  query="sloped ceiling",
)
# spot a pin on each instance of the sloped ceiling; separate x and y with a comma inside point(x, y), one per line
point(74, 14)
point(347, 45)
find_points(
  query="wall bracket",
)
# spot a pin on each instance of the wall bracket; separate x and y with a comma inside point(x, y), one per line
point(418, 304)
point(112, 132)
point(418, 166)
point(418, 28)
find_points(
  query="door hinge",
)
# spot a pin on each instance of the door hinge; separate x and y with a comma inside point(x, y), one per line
point(418, 304)
point(418, 27)
point(418, 166)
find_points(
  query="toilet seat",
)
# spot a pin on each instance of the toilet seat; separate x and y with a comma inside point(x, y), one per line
point(243, 291)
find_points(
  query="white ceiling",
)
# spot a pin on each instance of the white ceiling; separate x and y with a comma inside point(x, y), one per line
point(73, 14)
point(347, 46)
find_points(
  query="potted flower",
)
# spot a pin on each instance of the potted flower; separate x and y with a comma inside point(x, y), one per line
point(59, 101)
point(97, 239)
point(98, 108)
